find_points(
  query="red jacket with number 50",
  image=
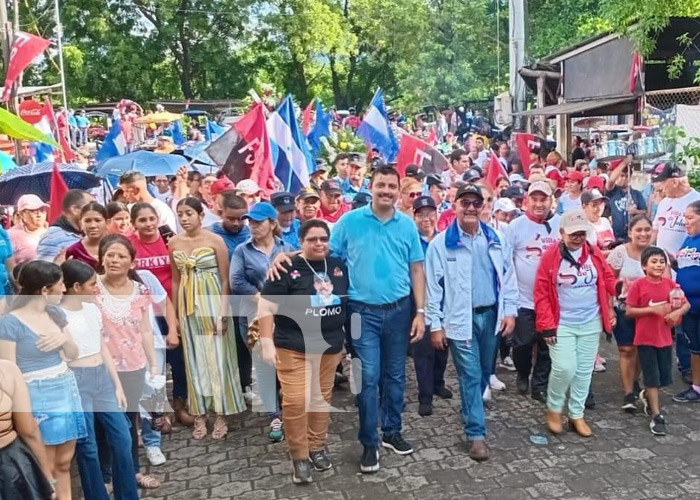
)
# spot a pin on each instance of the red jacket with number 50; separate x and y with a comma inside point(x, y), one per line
point(547, 298)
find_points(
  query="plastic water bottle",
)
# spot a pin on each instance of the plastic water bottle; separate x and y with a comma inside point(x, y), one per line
point(676, 298)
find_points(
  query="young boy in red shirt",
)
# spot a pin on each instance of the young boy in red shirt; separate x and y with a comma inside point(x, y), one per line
point(649, 301)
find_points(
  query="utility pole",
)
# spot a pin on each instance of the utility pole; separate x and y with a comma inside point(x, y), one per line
point(59, 36)
point(517, 21)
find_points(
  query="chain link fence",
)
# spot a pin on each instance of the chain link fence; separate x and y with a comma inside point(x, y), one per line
point(667, 99)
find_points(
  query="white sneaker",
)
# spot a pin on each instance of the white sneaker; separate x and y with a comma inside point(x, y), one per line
point(507, 364)
point(487, 395)
point(154, 455)
point(496, 384)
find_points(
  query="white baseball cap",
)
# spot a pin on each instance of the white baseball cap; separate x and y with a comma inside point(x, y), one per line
point(248, 186)
point(504, 205)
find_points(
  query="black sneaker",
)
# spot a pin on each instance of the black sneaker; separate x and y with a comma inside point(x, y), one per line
point(657, 425)
point(443, 393)
point(397, 444)
point(690, 395)
point(539, 396)
point(629, 403)
point(645, 402)
point(301, 472)
point(523, 384)
point(425, 410)
point(320, 460)
point(370, 460)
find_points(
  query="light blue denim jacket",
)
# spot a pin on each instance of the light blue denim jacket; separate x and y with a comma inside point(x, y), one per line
point(448, 269)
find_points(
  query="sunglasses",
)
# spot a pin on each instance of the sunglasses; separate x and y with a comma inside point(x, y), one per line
point(414, 195)
point(471, 203)
point(316, 239)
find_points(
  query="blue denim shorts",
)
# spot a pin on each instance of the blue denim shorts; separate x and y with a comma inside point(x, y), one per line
point(57, 409)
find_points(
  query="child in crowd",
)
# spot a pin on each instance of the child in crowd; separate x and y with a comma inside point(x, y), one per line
point(657, 304)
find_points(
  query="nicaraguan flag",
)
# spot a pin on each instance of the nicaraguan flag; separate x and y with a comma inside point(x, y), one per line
point(292, 160)
point(376, 130)
point(321, 128)
point(115, 143)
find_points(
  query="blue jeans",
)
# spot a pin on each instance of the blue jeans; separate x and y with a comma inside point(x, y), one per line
point(381, 347)
point(100, 404)
point(149, 435)
point(473, 360)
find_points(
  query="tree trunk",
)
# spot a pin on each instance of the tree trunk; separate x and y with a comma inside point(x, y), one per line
point(335, 78)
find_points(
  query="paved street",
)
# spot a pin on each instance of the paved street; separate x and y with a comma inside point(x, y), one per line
point(622, 461)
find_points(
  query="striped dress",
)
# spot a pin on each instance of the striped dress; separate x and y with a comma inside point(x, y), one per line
point(210, 360)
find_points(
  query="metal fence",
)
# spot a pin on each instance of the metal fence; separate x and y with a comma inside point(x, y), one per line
point(666, 99)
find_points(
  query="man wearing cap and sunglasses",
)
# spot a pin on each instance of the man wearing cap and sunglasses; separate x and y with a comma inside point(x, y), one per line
point(528, 237)
point(463, 311)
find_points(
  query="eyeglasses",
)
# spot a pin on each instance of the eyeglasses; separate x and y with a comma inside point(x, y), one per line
point(578, 235)
point(471, 203)
point(414, 195)
point(316, 239)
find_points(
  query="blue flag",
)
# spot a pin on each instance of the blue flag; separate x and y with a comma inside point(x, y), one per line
point(322, 128)
point(114, 144)
point(375, 128)
point(178, 136)
point(213, 131)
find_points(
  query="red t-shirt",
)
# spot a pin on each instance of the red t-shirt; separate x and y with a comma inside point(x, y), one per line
point(446, 219)
point(154, 257)
point(651, 329)
point(78, 251)
point(333, 217)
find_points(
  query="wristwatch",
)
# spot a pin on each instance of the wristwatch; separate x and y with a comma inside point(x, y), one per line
point(420, 310)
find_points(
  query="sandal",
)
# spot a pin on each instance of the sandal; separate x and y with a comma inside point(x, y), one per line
point(220, 429)
point(163, 424)
point(147, 482)
point(200, 427)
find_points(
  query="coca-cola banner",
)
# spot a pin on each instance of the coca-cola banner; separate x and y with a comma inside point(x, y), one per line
point(31, 111)
point(25, 48)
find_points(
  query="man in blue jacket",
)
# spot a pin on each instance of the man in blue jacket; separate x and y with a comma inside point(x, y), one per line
point(460, 264)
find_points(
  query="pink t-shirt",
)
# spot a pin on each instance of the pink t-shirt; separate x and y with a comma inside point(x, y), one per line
point(24, 243)
point(154, 257)
point(121, 319)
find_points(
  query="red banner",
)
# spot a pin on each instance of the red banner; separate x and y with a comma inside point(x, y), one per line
point(495, 171)
point(427, 158)
point(525, 144)
point(24, 49)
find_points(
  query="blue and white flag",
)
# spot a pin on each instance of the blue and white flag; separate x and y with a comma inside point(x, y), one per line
point(321, 128)
point(213, 131)
point(114, 144)
point(178, 135)
point(375, 128)
point(292, 160)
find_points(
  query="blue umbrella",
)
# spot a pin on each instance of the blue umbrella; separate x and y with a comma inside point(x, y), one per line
point(146, 162)
point(35, 178)
point(197, 153)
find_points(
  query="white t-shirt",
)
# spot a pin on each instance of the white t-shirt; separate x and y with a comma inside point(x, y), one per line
point(85, 327)
point(529, 240)
point(629, 269)
point(568, 203)
point(603, 233)
point(670, 221)
point(578, 297)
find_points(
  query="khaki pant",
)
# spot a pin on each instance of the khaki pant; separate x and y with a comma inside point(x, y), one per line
point(307, 386)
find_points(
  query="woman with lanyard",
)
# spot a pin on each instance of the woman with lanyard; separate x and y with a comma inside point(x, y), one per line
point(306, 308)
point(100, 389)
point(573, 290)
point(626, 264)
point(93, 223)
point(118, 219)
point(25, 235)
point(34, 336)
point(199, 261)
point(124, 302)
point(249, 266)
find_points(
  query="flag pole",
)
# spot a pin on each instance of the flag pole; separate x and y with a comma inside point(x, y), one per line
point(59, 36)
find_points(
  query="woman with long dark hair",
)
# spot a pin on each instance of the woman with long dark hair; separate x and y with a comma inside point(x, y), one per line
point(100, 389)
point(34, 336)
point(124, 302)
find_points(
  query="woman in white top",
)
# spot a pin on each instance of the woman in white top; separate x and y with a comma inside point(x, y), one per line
point(625, 262)
point(99, 386)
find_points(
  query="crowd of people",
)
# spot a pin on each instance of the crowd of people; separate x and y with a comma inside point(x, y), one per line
point(248, 296)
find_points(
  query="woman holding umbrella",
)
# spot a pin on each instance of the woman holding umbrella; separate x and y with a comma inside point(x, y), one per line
point(32, 225)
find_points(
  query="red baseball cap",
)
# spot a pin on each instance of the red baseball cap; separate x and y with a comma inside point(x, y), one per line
point(596, 182)
point(221, 186)
point(575, 176)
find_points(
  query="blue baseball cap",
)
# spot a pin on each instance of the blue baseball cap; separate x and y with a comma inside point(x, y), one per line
point(261, 211)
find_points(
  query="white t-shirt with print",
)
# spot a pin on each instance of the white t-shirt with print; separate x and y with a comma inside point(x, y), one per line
point(568, 203)
point(528, 241)
point(578, 297)
point(670, 221)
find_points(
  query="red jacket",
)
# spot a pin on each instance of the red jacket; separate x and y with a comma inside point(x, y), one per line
point(547, 299)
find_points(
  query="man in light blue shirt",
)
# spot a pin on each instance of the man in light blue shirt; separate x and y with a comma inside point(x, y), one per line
point(472, 297)
point(385, 263)
point(356, 181)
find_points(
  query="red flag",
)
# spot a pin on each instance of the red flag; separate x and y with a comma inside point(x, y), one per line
point(25, 48)
point(58, 132)
point(416, 152)
point(58, 191)
point(495, 171)
point(525, 143)
point(432, 137)
point(636, 71)
point(243, 152)
point(306, 118)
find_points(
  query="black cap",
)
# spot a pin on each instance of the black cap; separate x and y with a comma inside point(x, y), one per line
point(591, 195)
point(361, 199)
point(516, 192)
point(434, 180)
point(424, 202)
point(331, 186)
point(415, 172)
point(469, 189)
point(471, 175)
point(664, 171)
point(283, 201)
point(308, 192)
